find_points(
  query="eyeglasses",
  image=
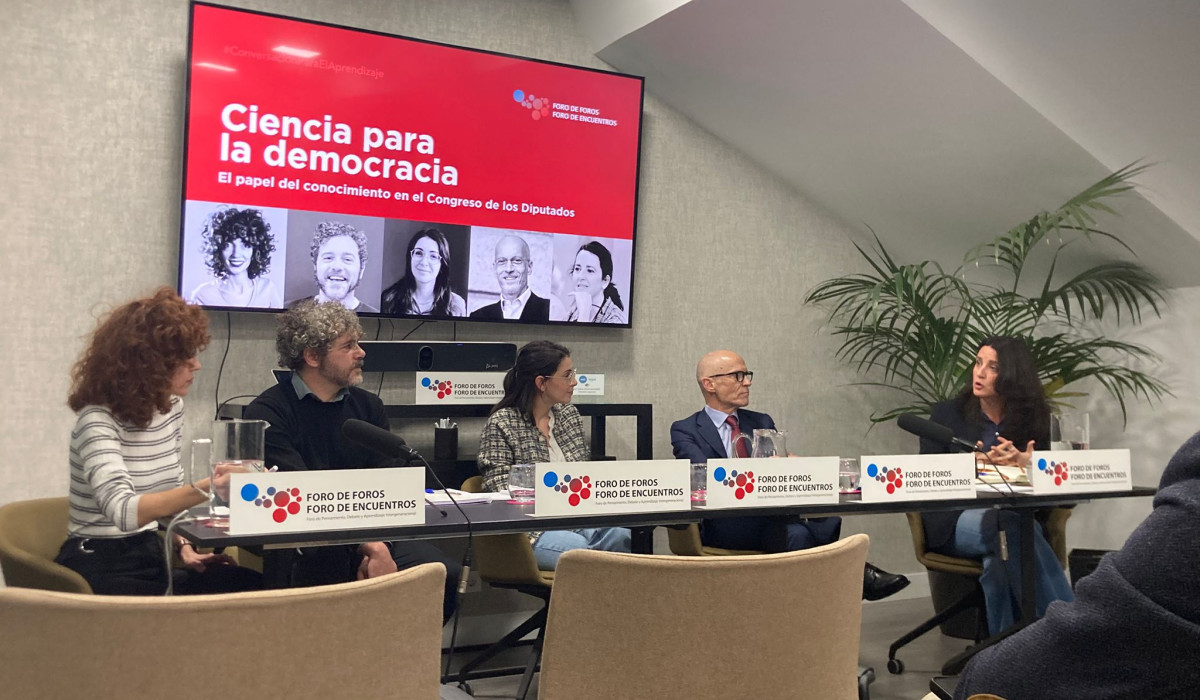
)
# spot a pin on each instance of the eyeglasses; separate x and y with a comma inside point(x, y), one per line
point(738, 377)
point(420, 255)
point(568, 375)
point(516, 262)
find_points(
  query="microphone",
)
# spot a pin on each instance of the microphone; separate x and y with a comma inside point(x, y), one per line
point(934, 431)
point(942, 435)
point(373, 437)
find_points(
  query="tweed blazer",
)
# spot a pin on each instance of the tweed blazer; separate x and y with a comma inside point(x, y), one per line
point(508, 439)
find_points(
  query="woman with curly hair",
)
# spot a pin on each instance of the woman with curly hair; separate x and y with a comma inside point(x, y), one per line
point(237, 248)
point(424, 289)
point(126, 391)
point(1002, 410)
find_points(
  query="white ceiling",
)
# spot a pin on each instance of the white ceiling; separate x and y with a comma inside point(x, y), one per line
point(939, 123)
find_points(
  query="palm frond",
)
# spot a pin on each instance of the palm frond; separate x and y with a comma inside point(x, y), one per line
point(915, 327)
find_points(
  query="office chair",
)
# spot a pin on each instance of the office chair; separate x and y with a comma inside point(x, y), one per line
point(685, 541)
point(374, 639)
point(507, 561)
point(941, 564)
point(701, 628)
point(31, 533)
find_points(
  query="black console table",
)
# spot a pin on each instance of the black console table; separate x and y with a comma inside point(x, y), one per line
point(597, 412)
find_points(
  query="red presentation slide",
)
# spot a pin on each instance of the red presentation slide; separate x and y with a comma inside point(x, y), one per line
point(295, 120)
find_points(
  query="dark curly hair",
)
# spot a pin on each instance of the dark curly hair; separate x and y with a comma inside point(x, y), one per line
point(133, 353)
point(332, 229)
point(398, 298)
point(1026, 412)
point(229, 225)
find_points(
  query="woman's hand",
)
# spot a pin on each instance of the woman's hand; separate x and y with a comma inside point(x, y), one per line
point(222, 471)
point(1006, 454)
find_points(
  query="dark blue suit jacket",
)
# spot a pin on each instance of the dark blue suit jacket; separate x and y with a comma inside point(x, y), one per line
point(696, 439)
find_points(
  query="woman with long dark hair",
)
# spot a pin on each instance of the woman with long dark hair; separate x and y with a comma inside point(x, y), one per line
point(425, 287)
point(1002, 409)
point(535, 422)
point(127, 392)
point(594, 298)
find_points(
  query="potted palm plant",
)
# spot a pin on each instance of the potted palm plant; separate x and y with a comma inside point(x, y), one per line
point(915, 327)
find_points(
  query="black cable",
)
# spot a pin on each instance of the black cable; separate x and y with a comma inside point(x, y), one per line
point(391, 335)
point(221, 368)
point(217, 415)
point(466, 568)
point(414, 330)
point(995, 468)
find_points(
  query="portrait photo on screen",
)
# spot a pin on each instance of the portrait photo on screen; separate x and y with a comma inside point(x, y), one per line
point(334, 257)
point(509, 275)
point(233, 255)
point(424, 268)
point(591, 279)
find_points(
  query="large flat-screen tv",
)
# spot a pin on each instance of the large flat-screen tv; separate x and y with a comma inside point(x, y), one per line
point(404, 178)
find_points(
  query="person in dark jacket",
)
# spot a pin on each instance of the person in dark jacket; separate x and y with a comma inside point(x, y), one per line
point(1133, 631)
point(1003, 410)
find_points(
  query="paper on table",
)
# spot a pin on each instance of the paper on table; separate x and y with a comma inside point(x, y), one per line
point(440, 498)
point(990, 487)
point(1013, 475)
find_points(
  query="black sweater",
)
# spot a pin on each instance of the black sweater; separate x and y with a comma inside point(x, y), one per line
point(307, 434)
point(1134, 628)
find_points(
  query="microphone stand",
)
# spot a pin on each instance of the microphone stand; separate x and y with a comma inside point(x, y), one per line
point(955, 665)
point(466, 560)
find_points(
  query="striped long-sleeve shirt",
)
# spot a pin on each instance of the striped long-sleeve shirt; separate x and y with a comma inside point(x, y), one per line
point(113, 464)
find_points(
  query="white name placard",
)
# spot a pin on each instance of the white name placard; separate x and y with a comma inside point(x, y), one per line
point(917, 477)
point(634, 486)
point(772, 481)
point(459, 387)
point(332, 499)
point(1080, 471)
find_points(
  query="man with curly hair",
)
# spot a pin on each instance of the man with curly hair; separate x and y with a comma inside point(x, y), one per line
point(339, 255)
point(306, 410)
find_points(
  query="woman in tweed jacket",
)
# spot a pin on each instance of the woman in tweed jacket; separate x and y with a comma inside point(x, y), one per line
point(535, 422)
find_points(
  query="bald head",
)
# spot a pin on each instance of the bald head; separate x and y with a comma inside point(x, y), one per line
point(721, 391)
point(512, 266)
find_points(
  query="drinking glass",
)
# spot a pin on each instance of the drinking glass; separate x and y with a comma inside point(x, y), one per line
point(1070, 431)
point(521, 484)
point(699, 483)
point(200, 466)
point(238, 446)
point(848, 475)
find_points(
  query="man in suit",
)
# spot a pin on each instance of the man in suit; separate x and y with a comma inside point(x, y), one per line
point(715, 432)
point(517, 300)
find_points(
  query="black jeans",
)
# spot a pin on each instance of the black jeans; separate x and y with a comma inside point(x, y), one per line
point(135, 565)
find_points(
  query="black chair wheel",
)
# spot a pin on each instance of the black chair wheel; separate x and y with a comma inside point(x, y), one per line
point(895, 666)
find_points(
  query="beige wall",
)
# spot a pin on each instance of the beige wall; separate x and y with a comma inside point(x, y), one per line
point(91, 156)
